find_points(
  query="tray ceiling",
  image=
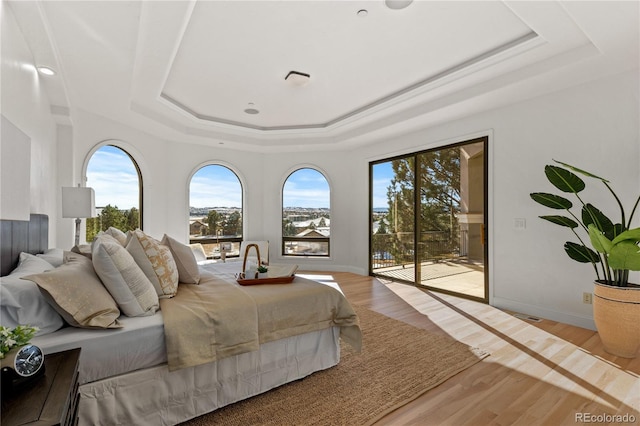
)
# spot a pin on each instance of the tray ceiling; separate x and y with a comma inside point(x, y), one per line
point(214, 71)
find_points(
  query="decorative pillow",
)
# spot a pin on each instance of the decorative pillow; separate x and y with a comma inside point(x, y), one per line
point(103, 236)
point(128, 285)
point(76, 293)
point(120, 236)
point(198, 252)
point(156, 262)
point(54, 256)
point(21, 303)
point(30, 264)
point(83, 249)
point(188, 271)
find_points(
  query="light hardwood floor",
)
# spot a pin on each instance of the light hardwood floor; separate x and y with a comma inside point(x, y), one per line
point(544, 373)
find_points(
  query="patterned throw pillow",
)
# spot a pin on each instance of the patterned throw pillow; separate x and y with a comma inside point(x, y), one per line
point(156, 262)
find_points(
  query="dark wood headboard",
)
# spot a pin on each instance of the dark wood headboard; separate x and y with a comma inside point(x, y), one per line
point(20, 235)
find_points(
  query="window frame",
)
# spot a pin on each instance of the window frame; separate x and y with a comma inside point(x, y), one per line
point(218, 240)
point(290, 239)
point(136, 164)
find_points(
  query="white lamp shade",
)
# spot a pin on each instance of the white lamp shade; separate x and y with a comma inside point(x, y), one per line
point(78, 202)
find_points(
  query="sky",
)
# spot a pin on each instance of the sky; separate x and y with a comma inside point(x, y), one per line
point(114, 178)
point(306, 188)
point(382, 175)
point(215, 186)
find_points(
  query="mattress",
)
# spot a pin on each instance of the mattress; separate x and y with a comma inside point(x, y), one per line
point(139, 344)
point(155, 396)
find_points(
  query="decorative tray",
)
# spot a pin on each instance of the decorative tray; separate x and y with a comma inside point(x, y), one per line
point(255, 281)
point(282, 277)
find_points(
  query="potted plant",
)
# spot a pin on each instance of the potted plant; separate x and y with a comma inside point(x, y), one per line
point(14, 338)
point(262, 271)
point(613, 250)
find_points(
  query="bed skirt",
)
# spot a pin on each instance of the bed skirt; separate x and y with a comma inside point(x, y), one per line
point(155, 396)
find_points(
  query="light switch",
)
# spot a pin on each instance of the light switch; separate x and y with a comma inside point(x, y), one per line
point(520, 223)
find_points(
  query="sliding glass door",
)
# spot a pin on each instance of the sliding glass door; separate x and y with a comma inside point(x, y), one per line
point(428, 219)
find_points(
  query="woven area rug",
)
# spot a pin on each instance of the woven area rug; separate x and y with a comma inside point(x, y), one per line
point(398, 363)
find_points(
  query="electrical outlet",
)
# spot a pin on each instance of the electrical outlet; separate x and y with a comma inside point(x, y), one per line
point(587, 298)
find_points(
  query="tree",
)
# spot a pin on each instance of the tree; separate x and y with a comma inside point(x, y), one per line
point(214, 221)
point(288, 228)
point(93, 227)
point(132, 220)
point(111, 216)
point(382, 228)
point(400, 198)
point(233, 224)
point(439, 189)
point(436, 175)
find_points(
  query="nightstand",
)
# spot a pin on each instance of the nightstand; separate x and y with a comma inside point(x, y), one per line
point(52, 399)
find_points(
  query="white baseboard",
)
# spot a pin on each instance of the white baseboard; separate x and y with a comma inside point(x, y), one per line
point(537, 311)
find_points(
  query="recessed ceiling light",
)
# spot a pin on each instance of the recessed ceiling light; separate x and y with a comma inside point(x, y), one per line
point(397, 4)
point(46, 71)
point(251, 110)
point(297, 78)
point(362, 13)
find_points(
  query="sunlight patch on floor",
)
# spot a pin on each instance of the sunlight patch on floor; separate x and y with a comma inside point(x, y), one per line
point(324, 279)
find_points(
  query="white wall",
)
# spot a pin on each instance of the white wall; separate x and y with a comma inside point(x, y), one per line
point(26, 106)
point(167, 167)
point(595, 127)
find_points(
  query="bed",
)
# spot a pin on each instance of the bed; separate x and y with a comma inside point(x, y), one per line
point(136, 372)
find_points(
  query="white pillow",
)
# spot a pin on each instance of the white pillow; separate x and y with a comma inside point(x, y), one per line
point(30, 264)
point(188, 271)
point(22, 303)
point(156, 262)
point(198, 252)
point(103, 236)
point(120, 236)
point(127, 284)
point(54, 256)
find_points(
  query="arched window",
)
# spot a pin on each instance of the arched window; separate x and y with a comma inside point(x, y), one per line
point(215, 211)
point(306, 214)
point(117, 182)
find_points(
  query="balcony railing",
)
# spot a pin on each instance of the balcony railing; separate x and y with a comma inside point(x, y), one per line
point(292, 246)
point(399, 249)
point(305, 246)
point(214, 247)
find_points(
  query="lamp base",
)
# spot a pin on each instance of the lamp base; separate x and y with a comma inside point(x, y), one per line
point(78, 222)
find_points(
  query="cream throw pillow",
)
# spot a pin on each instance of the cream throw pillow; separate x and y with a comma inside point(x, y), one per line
point(198, 252)
point(156, 262)
point(120, 236)
point(188, 271)
point(124, 279)
point(76, 293)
